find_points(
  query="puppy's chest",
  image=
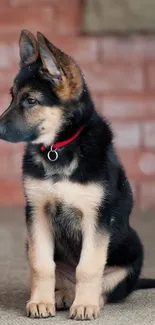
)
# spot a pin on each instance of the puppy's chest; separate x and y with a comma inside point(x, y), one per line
point(71, 206)
point(67, 228)
point(83, 197)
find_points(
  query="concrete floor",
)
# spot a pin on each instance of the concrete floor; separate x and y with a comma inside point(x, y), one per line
point(14, 276)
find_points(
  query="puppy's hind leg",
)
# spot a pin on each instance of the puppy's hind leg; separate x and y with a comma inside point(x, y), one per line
point(118, 283)
point(113, 280)
point(122, 275)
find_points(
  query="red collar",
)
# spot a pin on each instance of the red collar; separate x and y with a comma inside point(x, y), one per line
point(63, 143)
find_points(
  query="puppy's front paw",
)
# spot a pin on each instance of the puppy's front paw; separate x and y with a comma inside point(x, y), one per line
point(81, 312)
point(40, 309)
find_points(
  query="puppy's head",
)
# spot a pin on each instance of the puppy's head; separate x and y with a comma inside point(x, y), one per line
point(45, 95)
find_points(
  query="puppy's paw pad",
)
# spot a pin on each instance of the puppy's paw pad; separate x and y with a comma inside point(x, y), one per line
point(84, 312)
point(40, 310)
point(63, 299)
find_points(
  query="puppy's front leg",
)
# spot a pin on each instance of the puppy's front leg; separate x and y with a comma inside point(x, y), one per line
point(89, 274)
point(42, 266)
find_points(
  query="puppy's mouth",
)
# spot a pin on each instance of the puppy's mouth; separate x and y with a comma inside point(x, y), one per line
point(11, 134)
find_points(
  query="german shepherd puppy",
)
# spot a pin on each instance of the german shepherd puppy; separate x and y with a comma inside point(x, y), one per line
point(82, 250)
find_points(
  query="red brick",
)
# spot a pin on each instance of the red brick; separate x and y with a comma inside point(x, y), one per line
point(16, 157)
point(147, 194)
point(140, 165)
point(122, 107)
point(8, 55)
point(5, 55)
point(130, 158)
point(10, 167)
point(15, 54)
point(82, 49)
point(116, 77)
point(43, 3)
point(98, 101)
point(126, 49)
point(14, 19)
point(29, 3)
point(151, 76)
point(149, 47)
point(6, 79)
point(4, 102)
point(132, 48)
point(10, 38)
point(149, 134)
point(4, 166)
point(11, 194)
point(147, 163)
point(68, 20)
point(4, 3)
point(127, 135)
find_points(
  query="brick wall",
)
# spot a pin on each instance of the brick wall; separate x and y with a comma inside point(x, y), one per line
point(120, 73)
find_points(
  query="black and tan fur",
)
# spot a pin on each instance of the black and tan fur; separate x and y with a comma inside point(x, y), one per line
point(82, 250)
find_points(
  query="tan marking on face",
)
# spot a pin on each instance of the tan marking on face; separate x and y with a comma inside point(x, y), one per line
point(49, 119)
point(25, 90)
point(36, 94)
point(112, 277)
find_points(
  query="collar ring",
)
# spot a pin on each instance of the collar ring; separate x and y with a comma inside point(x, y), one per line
point(54, 153)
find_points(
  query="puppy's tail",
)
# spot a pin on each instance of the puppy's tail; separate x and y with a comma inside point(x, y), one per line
point(145, 284)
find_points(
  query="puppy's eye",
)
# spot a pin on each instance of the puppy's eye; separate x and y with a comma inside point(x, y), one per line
point(31, 101)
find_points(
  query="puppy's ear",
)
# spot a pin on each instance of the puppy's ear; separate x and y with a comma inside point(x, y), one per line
point(28, 48)
point(62, 70)
point(48, 59)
